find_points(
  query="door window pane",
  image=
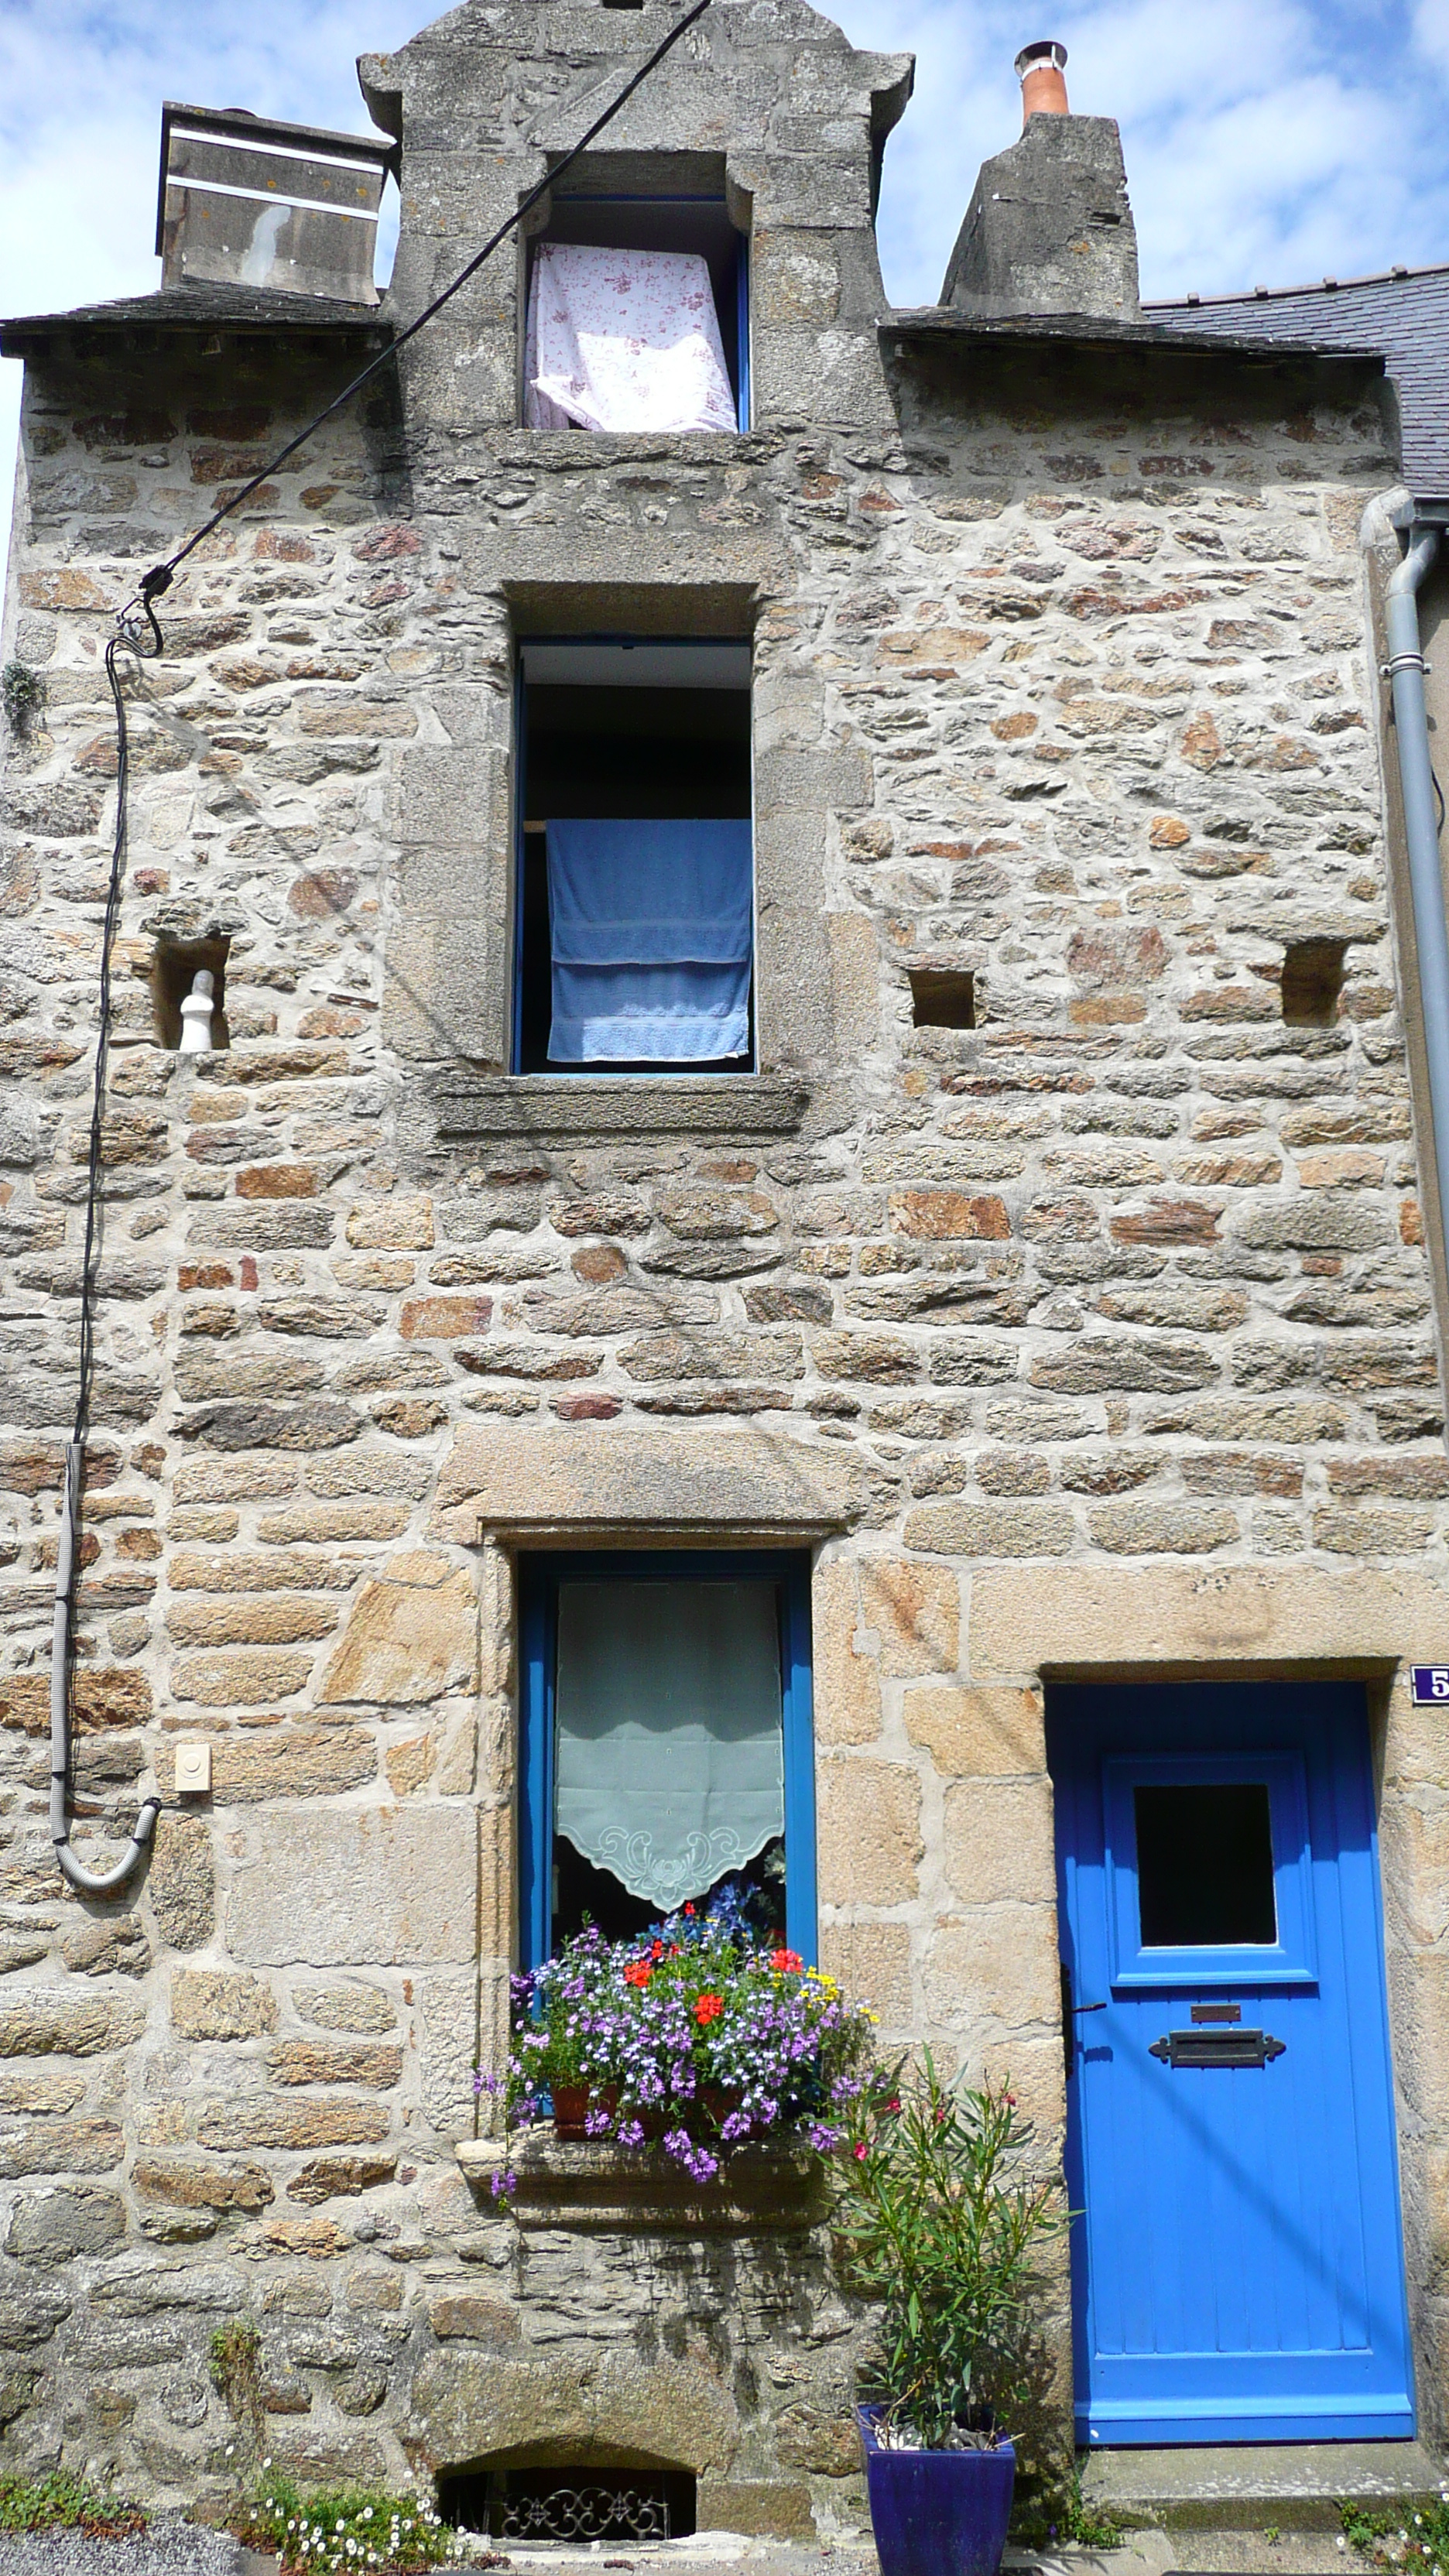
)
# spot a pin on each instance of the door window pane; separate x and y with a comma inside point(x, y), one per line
point(1205, 1866)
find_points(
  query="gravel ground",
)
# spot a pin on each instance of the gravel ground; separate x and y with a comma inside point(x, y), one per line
point(170, 2547)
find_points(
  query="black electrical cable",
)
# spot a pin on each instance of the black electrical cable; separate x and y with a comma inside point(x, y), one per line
point(160, 577)
point(126, 640)
point(1438, 797)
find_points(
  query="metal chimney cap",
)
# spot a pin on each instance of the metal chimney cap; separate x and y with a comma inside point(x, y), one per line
point(1032, 57)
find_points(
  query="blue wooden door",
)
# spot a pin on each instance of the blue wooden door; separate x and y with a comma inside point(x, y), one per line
point(1237, 2258)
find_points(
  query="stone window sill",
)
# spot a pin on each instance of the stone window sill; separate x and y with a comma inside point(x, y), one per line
point(572, 1105)
point(765, 2190)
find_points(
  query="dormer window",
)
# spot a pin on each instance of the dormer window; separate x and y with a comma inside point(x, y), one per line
point(637, 311)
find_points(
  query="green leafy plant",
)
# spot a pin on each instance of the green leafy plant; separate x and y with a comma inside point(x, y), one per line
point(22, 692)
point(1416, 2540)
point(355, 2528)
point(939, 2218)
point(63, 2502)
point(1090, 2526)
point(234, 2357)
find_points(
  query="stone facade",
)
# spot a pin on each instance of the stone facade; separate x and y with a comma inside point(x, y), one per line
point(1096, 1338)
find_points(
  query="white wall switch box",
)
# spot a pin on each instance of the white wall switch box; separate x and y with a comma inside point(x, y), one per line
point(193, 1769)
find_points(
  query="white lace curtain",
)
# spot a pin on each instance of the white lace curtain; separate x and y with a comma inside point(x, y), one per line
point(669, 1765)
point(623, 339)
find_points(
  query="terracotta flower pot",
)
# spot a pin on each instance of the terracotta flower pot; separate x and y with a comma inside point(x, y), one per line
point(570, 2110)
point(572, 2104)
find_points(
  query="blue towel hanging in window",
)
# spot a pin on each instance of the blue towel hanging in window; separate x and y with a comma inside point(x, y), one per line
point(650, 932)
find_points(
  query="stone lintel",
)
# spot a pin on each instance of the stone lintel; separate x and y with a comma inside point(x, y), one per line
point(604, 2188)
point(1095, 1621)
point(576, 1107)
point(641, 1484)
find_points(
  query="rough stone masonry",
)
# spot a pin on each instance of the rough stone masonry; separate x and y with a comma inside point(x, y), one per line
point(1099, 1334)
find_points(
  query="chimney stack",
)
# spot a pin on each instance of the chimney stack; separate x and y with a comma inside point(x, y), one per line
point(1039, 68)
point(1049, 228)
point(246, 201)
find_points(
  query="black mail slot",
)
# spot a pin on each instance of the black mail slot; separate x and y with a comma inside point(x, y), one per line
point(1216, 2048)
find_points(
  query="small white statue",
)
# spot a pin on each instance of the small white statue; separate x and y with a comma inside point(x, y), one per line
point(196, 1011)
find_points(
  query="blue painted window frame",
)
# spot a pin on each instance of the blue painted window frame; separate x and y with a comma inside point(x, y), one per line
point(538, 1581)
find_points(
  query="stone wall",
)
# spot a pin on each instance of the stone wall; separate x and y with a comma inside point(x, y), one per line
point(1097, 1337)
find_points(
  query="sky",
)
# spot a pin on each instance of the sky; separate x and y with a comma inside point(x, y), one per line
point(1266, 141)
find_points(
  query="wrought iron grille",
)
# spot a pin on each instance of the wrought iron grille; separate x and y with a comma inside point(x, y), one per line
point(590, 2504)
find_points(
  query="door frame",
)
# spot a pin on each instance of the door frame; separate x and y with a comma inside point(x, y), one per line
point(1267, 1621)
point(1360, 2030)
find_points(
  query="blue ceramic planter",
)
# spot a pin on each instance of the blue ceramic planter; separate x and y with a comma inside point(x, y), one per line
point(937, 2513)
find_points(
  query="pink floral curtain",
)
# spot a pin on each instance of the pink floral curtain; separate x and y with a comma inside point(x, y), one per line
point(623, 339)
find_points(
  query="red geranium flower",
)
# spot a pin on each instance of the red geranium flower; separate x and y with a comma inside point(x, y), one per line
point(689, 1909)
point(786, 1963)
point(638, 1973)
point(708, 2009)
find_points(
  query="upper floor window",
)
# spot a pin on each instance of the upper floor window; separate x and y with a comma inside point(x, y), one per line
point(637, 315)
point(635, 902)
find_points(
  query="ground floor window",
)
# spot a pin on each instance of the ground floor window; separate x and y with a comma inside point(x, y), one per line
point(667, 1742)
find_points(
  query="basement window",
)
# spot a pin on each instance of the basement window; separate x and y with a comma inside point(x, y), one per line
point(580, 2501)
point(1312, 982)
point(635, 903)
point(942, 998)
point(636, 311)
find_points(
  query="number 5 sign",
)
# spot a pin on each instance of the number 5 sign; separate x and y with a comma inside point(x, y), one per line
point(1431, 1684)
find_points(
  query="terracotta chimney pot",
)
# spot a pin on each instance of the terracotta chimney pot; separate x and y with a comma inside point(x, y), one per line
point(1043, 90)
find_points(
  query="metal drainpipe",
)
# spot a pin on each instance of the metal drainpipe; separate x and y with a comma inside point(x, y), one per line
point(1405, 669)
point(90, 1882)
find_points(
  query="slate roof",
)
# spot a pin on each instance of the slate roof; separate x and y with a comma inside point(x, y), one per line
point(196, 308)
point(1405, 313)
point(947, 322)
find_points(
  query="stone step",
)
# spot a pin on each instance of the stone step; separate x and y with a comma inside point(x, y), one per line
point(1284, 2486)
point(1199, 2553)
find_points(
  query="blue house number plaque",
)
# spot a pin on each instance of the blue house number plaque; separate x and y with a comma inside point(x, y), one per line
point(1431, 1685)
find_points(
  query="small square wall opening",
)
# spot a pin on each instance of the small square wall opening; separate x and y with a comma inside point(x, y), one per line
point(1312, 982)
point(942, 997)
point(174, 970)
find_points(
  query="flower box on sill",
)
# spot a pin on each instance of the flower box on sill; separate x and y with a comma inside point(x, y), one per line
point(763, 2190)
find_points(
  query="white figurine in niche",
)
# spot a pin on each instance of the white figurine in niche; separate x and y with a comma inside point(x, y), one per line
point(196, 1011)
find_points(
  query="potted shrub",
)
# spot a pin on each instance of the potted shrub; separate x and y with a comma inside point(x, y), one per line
point(940, 2221)
point(697, 2037)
